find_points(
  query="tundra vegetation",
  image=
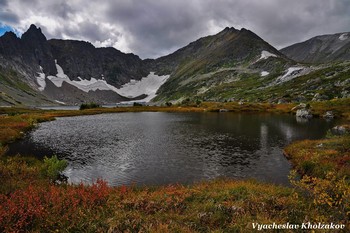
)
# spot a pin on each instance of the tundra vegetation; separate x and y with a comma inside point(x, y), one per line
point(32, 200)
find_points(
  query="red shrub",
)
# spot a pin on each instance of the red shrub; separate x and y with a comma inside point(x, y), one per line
point(52, 207)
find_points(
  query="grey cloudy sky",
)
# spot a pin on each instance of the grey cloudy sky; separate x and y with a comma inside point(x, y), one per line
point(151, 28)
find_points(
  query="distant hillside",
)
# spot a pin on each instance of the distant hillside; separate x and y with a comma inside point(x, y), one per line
point(209, 68)
point(321, 49)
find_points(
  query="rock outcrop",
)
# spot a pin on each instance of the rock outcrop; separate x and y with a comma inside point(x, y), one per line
point(304, 113)
point(341, 130)
point(328, 115)
point(82, 59)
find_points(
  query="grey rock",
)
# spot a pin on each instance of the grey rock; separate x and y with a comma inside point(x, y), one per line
point(303, 113)
point(282, 101)
point(330, 74)
point(299, 99)
point(319, 97)
point(340, 130)
point(328, 115)
point(345, 94)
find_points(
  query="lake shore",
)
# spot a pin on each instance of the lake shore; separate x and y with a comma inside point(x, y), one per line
point(28, 195)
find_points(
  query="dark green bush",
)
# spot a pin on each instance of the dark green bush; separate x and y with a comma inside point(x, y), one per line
point(137, 104)
point(89, 105)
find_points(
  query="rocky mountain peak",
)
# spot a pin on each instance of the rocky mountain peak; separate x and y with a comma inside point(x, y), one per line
point(10, 44)
point(9, 35)
point(34, 34)
point(228, 29)
point(249, 33)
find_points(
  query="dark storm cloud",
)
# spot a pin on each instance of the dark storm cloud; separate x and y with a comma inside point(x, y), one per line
point(6, 16)
point(152, 28)
point(161, 26)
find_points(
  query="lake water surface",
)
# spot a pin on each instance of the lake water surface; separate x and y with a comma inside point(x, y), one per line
point(161, 148)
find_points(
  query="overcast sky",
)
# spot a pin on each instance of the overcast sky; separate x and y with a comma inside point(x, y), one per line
point(152, 28)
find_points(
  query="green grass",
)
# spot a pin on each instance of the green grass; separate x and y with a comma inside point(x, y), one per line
point(11, 78)
point(250, 86)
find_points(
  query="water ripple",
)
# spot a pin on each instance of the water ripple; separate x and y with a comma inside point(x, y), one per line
point(162, 148)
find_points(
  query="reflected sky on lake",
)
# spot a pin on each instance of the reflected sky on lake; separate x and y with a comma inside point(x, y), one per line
point(161, 148)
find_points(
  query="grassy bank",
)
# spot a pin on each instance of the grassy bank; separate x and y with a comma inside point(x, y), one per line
point(30, 200)
point(324, 166)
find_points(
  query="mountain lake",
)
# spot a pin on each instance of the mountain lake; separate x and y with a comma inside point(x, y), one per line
point(156, 148)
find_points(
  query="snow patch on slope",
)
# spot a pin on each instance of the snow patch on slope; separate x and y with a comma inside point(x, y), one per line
point(343, 36)
point(147, 85)
point(41, 79)
point(264, 73)
point(60, 102)
point(291, 73)
point(82, 84)
point(266, 54)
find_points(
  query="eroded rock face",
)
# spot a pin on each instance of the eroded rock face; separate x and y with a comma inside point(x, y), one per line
point(26, 54)
point(37, 51)
point(304, 113)
point(82, 59)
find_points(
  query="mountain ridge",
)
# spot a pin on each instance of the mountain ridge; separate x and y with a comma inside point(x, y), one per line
point(321, 49)
point(230, 65)
point(229, 49)
point(35, 58)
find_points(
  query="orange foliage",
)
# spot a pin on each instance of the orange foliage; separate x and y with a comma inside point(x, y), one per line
point(51, 206)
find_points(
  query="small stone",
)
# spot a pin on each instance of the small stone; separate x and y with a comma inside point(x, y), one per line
point(328, 115)
point(319, 97)
point(282, 101)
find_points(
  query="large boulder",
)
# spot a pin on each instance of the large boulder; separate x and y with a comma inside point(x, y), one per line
point(303, 113)
point(341, 130)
